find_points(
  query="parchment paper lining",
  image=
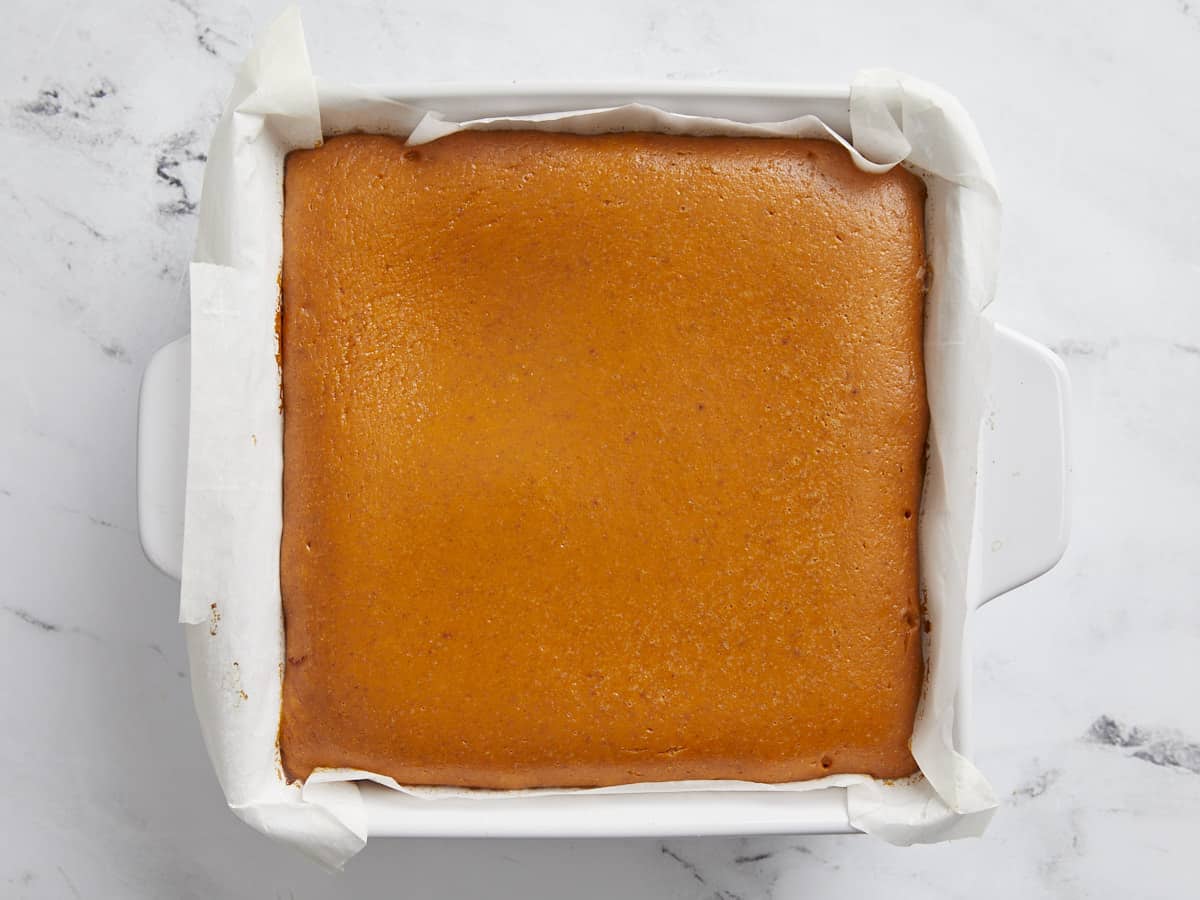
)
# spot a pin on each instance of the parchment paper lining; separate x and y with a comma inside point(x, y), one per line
point(230, 592)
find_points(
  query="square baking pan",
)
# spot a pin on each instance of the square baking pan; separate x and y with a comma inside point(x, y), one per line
point(1020, 521)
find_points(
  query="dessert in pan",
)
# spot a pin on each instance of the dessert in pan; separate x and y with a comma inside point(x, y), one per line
point(602, 459)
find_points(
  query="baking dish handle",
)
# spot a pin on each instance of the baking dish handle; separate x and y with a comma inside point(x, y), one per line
point(1023, 464)
point(163, 407)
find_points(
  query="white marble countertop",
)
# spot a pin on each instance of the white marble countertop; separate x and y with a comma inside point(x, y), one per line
point(1086, 717)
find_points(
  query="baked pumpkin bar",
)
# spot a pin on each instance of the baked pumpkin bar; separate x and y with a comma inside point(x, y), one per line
point(602, 459)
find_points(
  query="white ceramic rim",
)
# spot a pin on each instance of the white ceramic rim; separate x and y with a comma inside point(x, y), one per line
point(1029, 395)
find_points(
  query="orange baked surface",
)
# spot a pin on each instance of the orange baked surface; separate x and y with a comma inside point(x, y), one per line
point(602, 460)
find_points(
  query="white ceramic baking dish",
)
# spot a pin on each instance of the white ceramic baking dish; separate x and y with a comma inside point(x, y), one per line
point(1021, 510)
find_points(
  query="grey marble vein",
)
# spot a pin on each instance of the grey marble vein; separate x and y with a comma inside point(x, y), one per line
point(70, 883)
point(1157, 746)
point(30, 619)
point(1072, 347)
point(687, 865)
point(1037, 785)
point(90, 229)
point(86, 114)
point(749, 859)
point(173, 154)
